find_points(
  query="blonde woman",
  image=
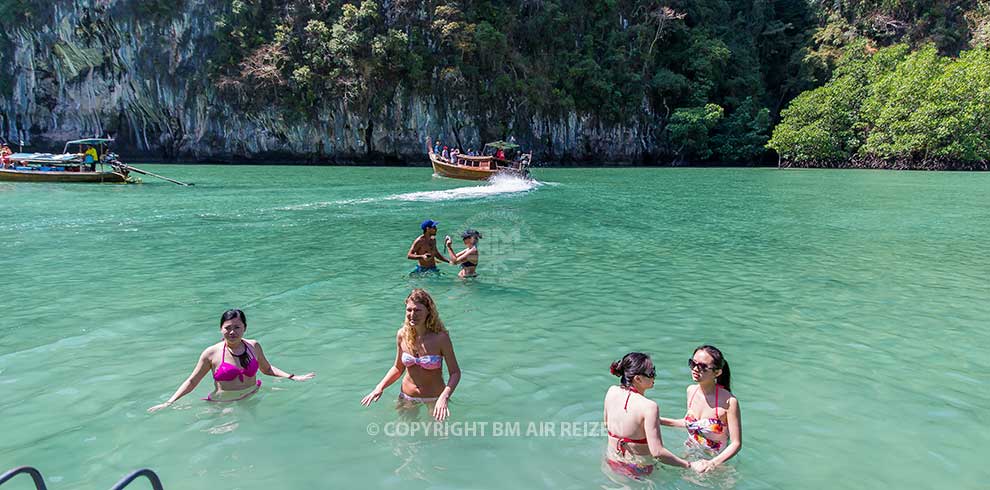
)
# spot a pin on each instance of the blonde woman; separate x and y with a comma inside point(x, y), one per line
point(421, 346)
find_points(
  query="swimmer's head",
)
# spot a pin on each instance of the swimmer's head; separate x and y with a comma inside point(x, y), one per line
point(635, 368)
point(471, 237)
point(233, 323)
point(429, 227)
point(420, 310)
point(707, 363)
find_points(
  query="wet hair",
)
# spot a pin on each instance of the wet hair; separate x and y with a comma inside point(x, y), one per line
point(632, 364)
point(232, 314)
point(433, 323)
point(471, 233)
point(719, 363)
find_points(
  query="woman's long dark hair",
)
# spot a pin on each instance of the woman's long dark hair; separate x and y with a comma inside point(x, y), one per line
point(719, 363)
point(632, 364)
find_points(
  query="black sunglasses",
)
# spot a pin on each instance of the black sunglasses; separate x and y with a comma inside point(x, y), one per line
point(699, 365)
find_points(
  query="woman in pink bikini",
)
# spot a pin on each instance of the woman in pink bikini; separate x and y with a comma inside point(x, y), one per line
point(235, 362)
point(631, 420)
point(712, 420)
point(421, 346)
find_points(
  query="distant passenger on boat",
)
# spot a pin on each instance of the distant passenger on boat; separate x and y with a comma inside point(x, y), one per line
point(91, 155)
point(232, 381)
point(424, 249)
point(467, 258)
point(5, 151)
point(445, 154)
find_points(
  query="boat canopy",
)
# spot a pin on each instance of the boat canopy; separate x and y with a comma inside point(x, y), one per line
point(90, 141)
point(502, 145)
point(65, 159)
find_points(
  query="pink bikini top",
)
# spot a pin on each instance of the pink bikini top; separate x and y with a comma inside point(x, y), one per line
point(227, 371)
point(425, 362)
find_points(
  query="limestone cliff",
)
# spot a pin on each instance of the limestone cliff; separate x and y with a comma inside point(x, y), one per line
point(93, 68)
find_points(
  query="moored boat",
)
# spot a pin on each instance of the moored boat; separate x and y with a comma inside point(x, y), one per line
point(481, 167)
point(92, 163)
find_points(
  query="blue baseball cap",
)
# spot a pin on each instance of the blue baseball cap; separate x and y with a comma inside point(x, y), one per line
point(429, 224)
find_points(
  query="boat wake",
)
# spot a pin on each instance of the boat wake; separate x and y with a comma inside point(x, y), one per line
point(499, 184)
point(325, 204)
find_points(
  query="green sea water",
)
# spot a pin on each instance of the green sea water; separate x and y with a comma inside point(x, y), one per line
point(851, 305)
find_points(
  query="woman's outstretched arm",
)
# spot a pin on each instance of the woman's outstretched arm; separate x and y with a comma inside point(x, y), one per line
point(267, 368)
point(393, 374)
point(202, 367)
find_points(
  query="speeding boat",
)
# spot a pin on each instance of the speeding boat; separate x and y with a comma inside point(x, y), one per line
point(491, 162)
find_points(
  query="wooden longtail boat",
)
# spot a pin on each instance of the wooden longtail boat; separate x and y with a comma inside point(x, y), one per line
point(15, 175)
point(480, 167)
point(92, 163)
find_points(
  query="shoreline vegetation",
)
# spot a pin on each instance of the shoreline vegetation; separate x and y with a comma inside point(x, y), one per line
point(893, 108)
point(897, 84)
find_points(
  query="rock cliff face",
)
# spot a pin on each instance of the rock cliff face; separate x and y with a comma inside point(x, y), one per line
point(93, 68)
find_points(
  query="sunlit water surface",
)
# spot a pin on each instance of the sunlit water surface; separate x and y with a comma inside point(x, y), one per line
point(851, 305)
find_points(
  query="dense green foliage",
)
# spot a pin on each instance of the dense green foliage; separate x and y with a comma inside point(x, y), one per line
point(703, 78)
point(894, 105)
point(693, 80)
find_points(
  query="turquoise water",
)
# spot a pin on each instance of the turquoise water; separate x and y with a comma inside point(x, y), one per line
point(851, 305)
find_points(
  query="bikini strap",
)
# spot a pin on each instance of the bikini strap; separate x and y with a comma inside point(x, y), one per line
point(630, 390)
point(716, 400)
point(696, 393)
point(223, 356)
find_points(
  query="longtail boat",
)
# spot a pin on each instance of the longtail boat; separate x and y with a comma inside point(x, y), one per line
point(480, 167)
point(92, 162)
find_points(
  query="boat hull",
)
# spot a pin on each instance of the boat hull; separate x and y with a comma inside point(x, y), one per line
point(468, 173)
point(10, 175)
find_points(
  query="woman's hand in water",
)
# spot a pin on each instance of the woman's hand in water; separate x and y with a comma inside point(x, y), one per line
point(304, 377)
point(158, 407)
point(372, 397)
point(702, 466)
point(440, 411)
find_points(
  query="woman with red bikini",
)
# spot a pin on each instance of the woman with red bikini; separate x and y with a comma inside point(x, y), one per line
point(632, 420)
point(235, 362)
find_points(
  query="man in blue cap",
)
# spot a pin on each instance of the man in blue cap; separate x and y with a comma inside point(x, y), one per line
point(424, 249)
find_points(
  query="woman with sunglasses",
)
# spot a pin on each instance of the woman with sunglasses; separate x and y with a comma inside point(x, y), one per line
point(467, 258)
point(712, 420)
point(233, 380)
point(631, 420)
